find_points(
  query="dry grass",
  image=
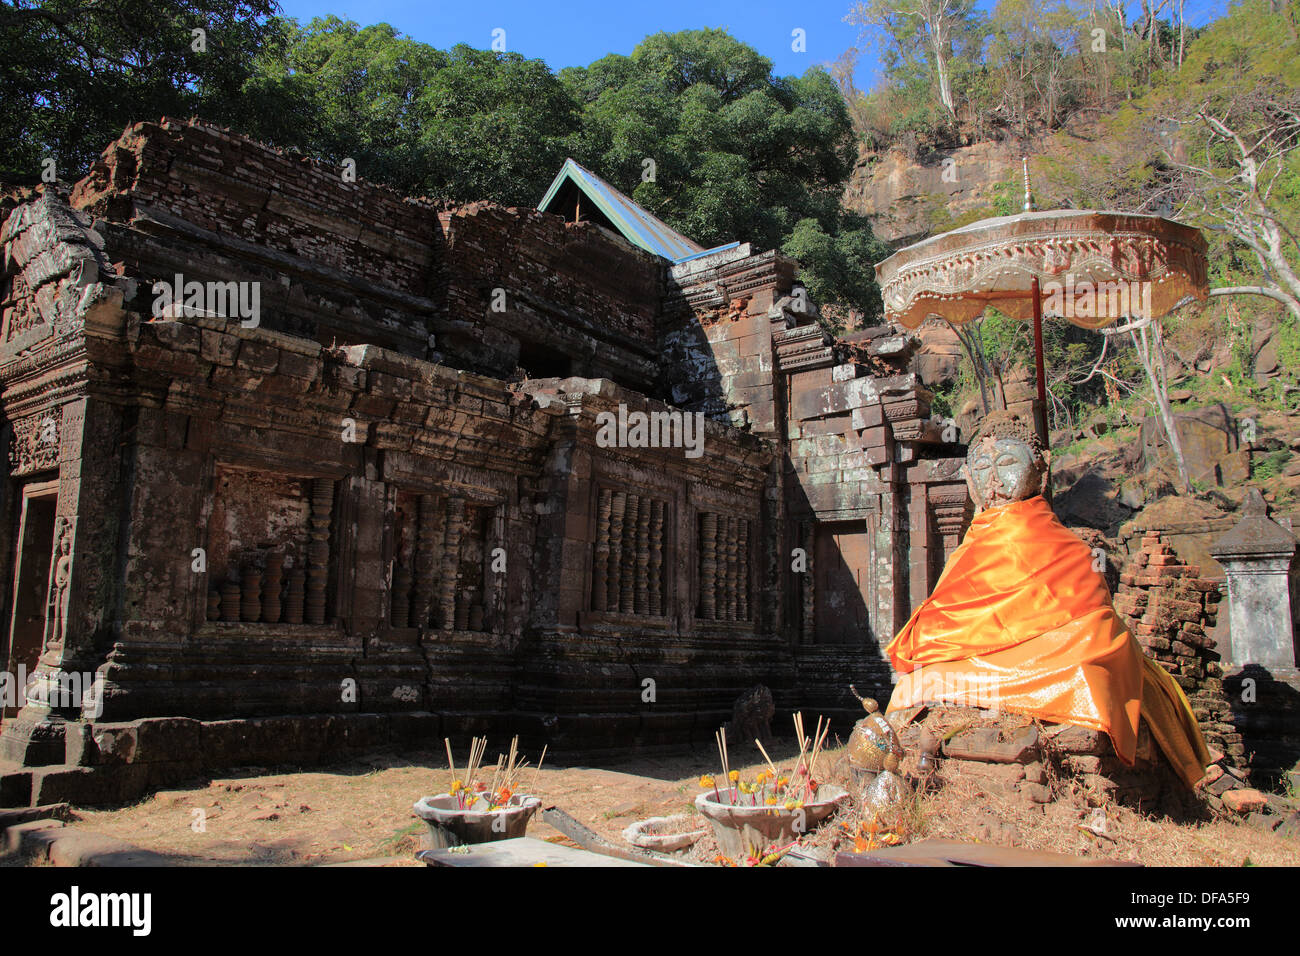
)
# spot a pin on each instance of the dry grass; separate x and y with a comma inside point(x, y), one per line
point(363, 811)
point(963, 810)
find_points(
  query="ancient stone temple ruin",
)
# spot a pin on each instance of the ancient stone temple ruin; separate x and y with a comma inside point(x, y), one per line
point(299, 466)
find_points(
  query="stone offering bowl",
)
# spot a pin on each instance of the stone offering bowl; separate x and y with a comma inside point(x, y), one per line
point(739, 829)
point(450, 826)
point(643, 835)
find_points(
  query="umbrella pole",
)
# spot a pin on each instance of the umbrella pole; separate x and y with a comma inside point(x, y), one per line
point(1038, 343)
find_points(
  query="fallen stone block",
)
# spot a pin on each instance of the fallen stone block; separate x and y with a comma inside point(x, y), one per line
point(1244, 801)
point(33, 839)
point(53, 811)
point(72, 847)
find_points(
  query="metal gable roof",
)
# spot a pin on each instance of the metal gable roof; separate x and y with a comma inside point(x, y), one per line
point(637, 225)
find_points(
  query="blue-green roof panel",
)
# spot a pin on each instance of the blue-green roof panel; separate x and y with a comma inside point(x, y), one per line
point(636, 225)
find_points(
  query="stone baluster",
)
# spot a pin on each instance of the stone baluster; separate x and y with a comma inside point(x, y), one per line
point(428, 532)
point(318, 549)
point(643, 557)
point(295, 596)
point(250, 597)
point(230, 601)
point(742, 583)
point(809, 591)
point(600, 569)
point(627, 576)
point(657, 558)
point(733, 575)
point(399, 614)
point(450, 563)
point(708, 565)
point(271, 581)
point(617, 509)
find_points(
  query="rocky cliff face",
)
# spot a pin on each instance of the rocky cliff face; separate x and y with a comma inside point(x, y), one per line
point(909, 200)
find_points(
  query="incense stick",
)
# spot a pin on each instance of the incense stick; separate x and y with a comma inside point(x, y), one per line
point(771, 766)
point(539, 767)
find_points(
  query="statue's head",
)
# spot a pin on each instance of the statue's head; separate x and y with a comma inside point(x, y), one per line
point(1006, 461)
point(63, 534)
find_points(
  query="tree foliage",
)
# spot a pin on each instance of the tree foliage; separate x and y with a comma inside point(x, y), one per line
point(738, 153)
point(954, 73)
point(74, 73)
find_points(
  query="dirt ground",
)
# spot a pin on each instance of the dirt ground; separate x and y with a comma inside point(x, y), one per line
point(362, 811)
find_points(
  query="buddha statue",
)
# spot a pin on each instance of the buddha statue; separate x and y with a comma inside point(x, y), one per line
point(1005, 463)
point(1021, 618)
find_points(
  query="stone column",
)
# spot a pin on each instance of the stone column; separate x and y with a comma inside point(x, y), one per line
point(84, 578)
point(1258, 556)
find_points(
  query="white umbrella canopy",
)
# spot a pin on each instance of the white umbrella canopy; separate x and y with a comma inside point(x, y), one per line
point(1086, 266)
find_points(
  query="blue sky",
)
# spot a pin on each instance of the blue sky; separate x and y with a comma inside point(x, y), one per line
point(576, 32)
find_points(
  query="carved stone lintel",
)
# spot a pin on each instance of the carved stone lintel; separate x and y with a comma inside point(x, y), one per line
point(35, 443)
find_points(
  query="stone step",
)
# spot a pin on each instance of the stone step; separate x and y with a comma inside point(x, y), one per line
point(11, 816)
point(16, 788)
point(55, 843)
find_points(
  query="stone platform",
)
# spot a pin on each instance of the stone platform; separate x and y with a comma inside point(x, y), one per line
point(1037, 763)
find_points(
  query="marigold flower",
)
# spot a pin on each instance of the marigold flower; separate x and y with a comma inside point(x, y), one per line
point(706, 781)
point(733, 776)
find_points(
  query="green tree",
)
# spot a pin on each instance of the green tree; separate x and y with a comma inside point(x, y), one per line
point(74, 73)
point(738, 152)
point(460, 124)
point(840, 268)
point(922, 36)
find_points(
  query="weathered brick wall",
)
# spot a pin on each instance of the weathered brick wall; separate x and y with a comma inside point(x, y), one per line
point(573, 288)
point(217, 180)
point(352, 262)
point(1169, 608)
point(720, 312)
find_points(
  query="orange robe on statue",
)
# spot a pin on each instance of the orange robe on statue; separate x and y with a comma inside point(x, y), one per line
point(1021, 621)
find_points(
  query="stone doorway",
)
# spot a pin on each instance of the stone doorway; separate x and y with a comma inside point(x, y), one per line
point(33, 553)
point(842, 568)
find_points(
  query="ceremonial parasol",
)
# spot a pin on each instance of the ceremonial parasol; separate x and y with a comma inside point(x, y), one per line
point(1088, 267)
